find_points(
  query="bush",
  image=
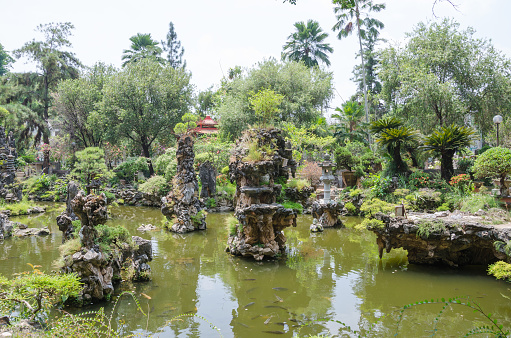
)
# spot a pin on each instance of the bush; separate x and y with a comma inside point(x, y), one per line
point(127, 170)
point(465, 165)
point(371, 207)
point(472, 203)
point(426, 228)
point(419, 179)
point(297, 183)
point(495, 162)
point(425, 199)
point(500, 270)
point(229, 190)
point(381, 187)
point(156, 185)
point(462, 184)
point(110, 236)
point(352, 210)
point(210, 203)
point(370, 224)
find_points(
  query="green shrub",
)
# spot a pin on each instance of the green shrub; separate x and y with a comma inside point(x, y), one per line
point(444, 207)
point(352, 210)
point(495, 162)
point(500, 270)
point(211, 203)
point(127, 170)
point(225, 170)
point(419, 179)
point(381, 187)
point(229, 189)
point(355, 193)
point(197, 218)
point(156, 185)
point(465, 165)
point(370, 181)
point(425, 199)
point(472, 203)
point(110, 237)
point(293, 205)
point(297, 183)
point(371, 207)
point(426, 228)
point(369, 224)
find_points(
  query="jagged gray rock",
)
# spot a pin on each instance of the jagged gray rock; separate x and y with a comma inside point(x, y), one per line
point(65, 219)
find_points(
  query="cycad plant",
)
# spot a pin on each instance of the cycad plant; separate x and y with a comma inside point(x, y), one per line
point(394, 135)
point(445, 141)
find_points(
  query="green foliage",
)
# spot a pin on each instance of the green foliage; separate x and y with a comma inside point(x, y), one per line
point(210, 203)
point(128, 169)
point(19, 208)
point(307, 45)
point(439, 72)
point(474, 202)
point(293, 205)
point(39, 184)
point(166, 164)
point(419, 179)
point(305, 91)
point(91, 165)
point(444, 207)
point(493, 162)
point(110, 238)
point(427, 228)
point(142, 47)
point(265, 104)
point(229, 189)
point(231, 223)
point(445, 141)
point(370, 224)
point(350, 126)
point(425, 199)
point(297, 183)
point(352, 209)
point(156, 185)
point(33, 291)
point(465, 165)
point(198, 217)
point(189, 123)
point(381, 186)
point(500, 270)
point(344, 158)
point(371, 206)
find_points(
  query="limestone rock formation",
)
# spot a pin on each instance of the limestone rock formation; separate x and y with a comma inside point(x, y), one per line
point(442, 238)
point(258, 160)
point(65, 219)
point(181, 206)
point(207, 174)
point(96, 269)
point(10, 191)
point(6, 227)
point(328, 214)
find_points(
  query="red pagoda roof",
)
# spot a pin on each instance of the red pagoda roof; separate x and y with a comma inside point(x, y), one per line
point(206, 126)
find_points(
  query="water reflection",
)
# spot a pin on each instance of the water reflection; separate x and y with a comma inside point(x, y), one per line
point(335, 275)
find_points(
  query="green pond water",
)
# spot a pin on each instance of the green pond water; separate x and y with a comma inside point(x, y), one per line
point(323, 278)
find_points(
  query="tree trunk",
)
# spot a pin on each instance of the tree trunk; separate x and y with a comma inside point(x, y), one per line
point(447, 169)
point(46, 137)
point(503, 189)
point(145, 150)
point(366, 107)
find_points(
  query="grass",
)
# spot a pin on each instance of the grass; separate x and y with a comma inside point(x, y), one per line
point(472, 203)
point(297, 183)
point(231, 224)
point(426, 228)
point(20, 208)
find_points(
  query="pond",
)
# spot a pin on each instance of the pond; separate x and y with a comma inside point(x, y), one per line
point(323, 278)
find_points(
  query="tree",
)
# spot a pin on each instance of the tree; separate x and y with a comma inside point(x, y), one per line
point(444, 75)
point(174, 49)
point(306, 91)
point(350, 124)
point(54, 64)
point(349, 11)
point(5, 61)
point(445, 141)
point(144, 101)
point(189, 123)
point(206, 101)
point(394, 135)
point(307, 45)
point(142, 47)
point(494, 162)
point(78, 103)
point(265, 104)
point(90, 165)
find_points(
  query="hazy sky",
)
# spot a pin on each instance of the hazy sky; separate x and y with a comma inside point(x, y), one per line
point(218, 35)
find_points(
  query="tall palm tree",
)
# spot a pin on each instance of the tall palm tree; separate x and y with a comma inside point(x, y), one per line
point(348, 13)
point(445, 141)
point(394, 135)
point(307, 44)
point(350, 122)
point(142, 46)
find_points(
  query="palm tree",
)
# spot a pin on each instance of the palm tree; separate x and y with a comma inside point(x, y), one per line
point(348, 12)
point(394, 135)
point(142, 46)
point(350, 122)
point(445, 141)
point(306, 45)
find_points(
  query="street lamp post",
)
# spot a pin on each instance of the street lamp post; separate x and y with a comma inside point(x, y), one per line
point(497, 119)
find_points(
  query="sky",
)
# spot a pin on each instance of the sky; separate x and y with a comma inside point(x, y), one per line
point(218, 35)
